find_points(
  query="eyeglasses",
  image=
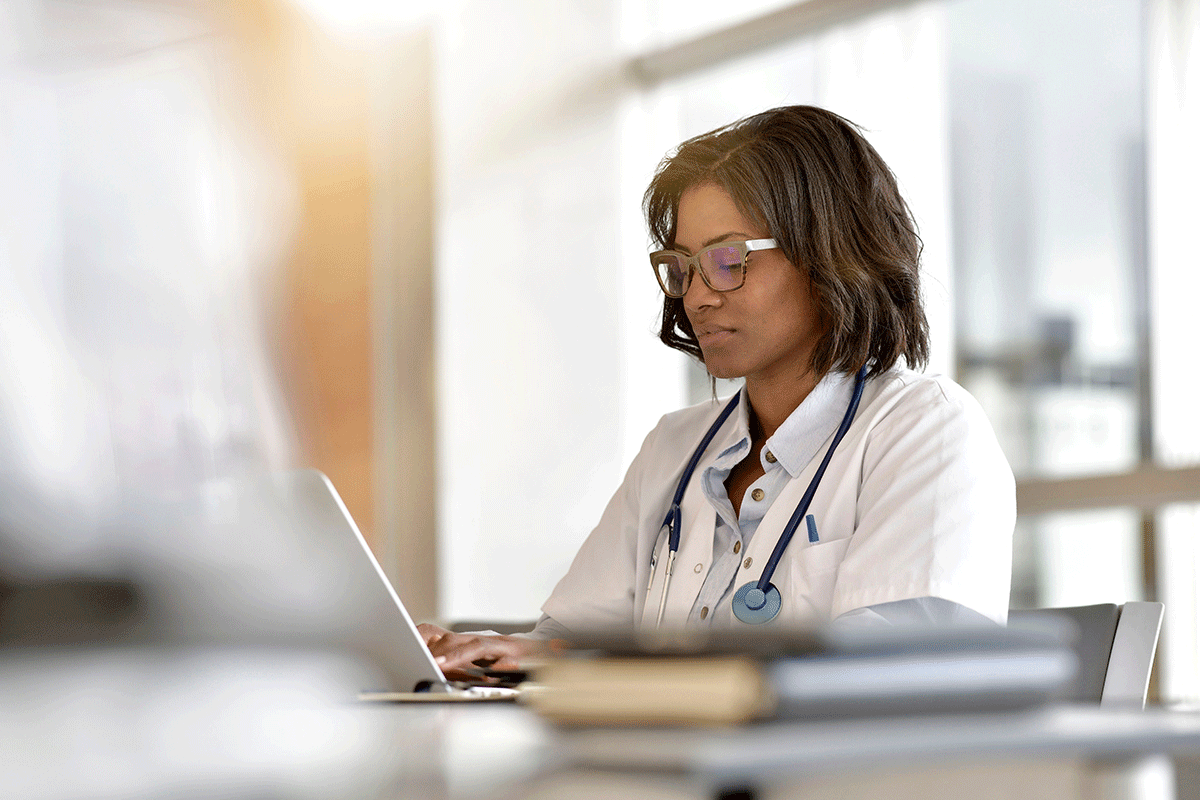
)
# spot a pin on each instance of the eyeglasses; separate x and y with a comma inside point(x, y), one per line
point(722, 266)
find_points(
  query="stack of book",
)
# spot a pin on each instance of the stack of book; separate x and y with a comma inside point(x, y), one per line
point(725, 677)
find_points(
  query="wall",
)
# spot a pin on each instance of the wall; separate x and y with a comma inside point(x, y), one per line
point(529, 287)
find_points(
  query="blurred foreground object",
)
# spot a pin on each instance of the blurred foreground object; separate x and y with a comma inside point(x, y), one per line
point(156, 638)
point(722, 677)
point(139, 223)
point(189, 722)
point(68, 612)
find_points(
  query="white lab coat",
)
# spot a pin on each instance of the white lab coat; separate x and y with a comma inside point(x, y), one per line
point(918, 501)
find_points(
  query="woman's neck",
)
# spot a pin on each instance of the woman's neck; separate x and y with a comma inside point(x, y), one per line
point(773, 401)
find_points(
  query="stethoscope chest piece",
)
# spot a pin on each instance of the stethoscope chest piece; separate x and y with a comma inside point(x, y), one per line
point(754, 606)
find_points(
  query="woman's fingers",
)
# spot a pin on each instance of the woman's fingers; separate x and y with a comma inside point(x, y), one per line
point(456, 651)
point(461, 650)
point(431, 633)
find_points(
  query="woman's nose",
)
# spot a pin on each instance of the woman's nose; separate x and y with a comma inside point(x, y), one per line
point(698, 294)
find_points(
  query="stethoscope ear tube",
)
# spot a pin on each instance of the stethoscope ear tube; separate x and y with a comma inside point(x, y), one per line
point(673, 524)
point(662, 599)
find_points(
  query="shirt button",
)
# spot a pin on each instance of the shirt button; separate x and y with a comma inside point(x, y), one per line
point(770, 457)
point(704, 612)
point(737, 547)
point(757, 494)
point(747, 562)
point(698, 568)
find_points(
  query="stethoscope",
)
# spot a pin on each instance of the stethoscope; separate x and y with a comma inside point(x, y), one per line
point(758, 601)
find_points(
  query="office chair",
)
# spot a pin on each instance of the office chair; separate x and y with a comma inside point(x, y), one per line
point(1115, 646)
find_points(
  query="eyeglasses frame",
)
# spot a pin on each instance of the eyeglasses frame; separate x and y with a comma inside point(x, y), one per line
point(744, 246)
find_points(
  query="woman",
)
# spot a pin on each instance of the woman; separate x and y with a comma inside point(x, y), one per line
point(789, 259)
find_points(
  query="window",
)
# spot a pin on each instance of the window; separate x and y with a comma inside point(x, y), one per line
point(1043, 150)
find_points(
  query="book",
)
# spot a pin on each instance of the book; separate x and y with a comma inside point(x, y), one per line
point(723, 678)
point(657, 691)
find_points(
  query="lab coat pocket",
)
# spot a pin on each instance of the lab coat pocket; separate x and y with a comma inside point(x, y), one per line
point(813, 573)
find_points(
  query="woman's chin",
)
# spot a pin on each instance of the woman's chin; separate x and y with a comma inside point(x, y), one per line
point(725, 372)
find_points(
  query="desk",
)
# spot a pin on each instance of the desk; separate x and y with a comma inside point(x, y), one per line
point(504, 752)
point(1067, 747)
point(147, 723)
point(252, 724)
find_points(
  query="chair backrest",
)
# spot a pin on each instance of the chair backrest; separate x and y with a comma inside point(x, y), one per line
point(492, 626)
point(1115, 646)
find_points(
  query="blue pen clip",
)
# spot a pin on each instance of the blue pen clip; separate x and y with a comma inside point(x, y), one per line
point(812, 528)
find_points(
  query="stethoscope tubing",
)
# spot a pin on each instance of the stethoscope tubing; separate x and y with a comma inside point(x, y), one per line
point(674, 517)
point(789, 530)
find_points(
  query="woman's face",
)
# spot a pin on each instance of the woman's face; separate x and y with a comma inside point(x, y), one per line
point(765, 329)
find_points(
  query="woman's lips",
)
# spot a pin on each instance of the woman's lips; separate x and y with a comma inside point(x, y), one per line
point(713, 336)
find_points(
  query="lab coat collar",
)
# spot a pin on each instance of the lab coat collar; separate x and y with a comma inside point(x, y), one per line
point(811, 425)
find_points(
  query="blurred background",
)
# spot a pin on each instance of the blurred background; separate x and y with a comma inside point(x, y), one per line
point(401, 242)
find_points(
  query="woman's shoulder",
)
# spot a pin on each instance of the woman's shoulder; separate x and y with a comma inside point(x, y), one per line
point(685, 421)
point(901, 387)
point(669, 443)
point(920, 402)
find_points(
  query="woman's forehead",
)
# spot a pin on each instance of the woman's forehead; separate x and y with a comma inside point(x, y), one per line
point(708, 214)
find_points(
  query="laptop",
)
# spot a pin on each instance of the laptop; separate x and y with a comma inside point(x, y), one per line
point(832, 672)
point(365, 615)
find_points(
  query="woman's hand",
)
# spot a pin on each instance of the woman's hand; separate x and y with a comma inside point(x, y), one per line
point(458, 653)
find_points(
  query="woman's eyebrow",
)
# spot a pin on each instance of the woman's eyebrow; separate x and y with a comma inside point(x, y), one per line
point(722, 238)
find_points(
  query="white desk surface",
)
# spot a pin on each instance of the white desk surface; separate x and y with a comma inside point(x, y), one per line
point(781, 749)
point(493, 750)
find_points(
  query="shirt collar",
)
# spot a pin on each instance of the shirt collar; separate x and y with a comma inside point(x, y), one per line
point(812, 424)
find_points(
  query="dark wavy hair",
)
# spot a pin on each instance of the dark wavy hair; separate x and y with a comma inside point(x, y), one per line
point(809, 177)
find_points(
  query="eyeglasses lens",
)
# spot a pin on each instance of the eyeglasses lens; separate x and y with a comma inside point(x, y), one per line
point(672, 271)
point(723, 268)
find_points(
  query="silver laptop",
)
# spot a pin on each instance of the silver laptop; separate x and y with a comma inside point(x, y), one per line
point(369, 617)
